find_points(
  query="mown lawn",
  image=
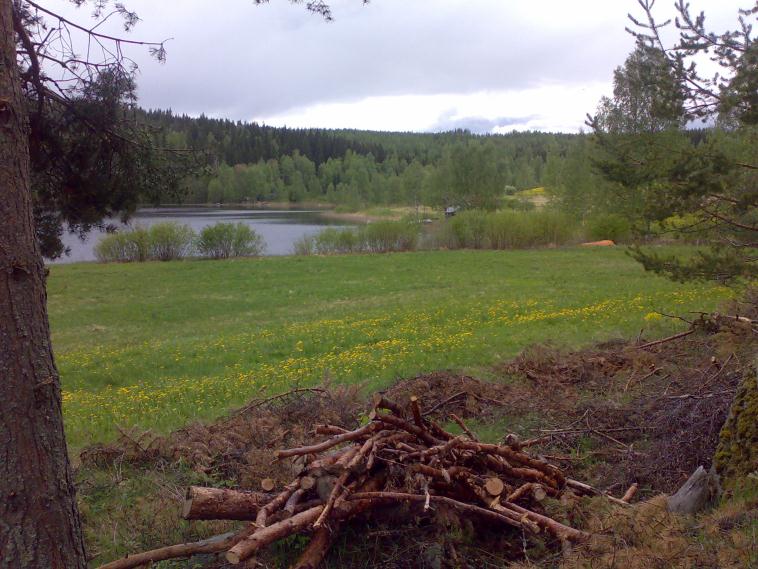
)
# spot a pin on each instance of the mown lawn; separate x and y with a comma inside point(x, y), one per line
point(159, 344)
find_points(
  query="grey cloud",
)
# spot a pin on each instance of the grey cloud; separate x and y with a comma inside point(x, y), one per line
point(246, 61)
point(241, 61)
point(479, 125)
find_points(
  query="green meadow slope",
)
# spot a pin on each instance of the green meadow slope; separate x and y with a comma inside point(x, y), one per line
point(156, 345)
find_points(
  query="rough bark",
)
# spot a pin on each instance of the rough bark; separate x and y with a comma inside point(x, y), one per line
point(215, 544)
point(39, 520)
point(222, 504)
point(318, 547)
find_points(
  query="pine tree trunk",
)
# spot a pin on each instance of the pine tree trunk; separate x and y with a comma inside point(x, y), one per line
point(39, 519)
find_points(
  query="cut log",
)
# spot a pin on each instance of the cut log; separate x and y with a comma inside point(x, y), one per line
point(380, 402)
point(539, 493)
point(266, 535)
point(463, 426)
point(412, 429)
point(215, 544)
point(520, 492)
point(337, 491)
point(421, 498)
point(324, 486)
point(513, 440)
point(562, 532)
point(551, 472)
point(307, 482)
point(204, 503)
point(293, 501)
point(494, 486)
point(330, 430)
point(318, 547)
point(629, 494)
point(268, 484)
point(276, 503)
point(313, 449)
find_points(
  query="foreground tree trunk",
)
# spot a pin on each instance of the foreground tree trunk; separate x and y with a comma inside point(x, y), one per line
point(39, 520)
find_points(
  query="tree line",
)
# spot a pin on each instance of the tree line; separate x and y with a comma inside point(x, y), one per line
point(248, 162)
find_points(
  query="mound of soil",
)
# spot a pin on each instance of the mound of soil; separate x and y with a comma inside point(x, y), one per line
point(239, 447)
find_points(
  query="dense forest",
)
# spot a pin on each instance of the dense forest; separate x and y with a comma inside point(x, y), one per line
point(255, 163)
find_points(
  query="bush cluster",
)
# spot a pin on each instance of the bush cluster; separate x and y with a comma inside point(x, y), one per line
point(224, 240)
point(170, 241)
point(504, 230)
point(379, 237)
point(608, 226)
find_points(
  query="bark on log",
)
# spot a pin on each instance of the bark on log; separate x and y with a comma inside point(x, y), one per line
point(530, 488)
point(276, 503)
point(215, 544)
point(561, 531)
point(337, 491)
point(330, 430)
point(203, 503)
point(293, 501)
point(512, 455)
point(519, 473)
point(318, 547)
point(380, 402)
point(421, 498)
point(416, 412)
point(630, 493)
point(406, 426)
point(307, 482)
point(320, 447)
point(463, 426)
point(262, 537)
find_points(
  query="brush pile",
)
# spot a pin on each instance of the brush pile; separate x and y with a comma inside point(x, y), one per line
point(402, 461)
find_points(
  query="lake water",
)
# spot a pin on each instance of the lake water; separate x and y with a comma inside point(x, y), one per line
point(279, 228)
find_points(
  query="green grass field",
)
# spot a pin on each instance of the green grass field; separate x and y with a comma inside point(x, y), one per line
point(159, 344)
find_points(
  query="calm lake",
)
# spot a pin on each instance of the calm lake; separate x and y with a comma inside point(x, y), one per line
point(279, 228)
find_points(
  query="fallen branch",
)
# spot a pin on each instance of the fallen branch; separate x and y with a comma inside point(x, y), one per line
point(215, 544)
point(203, 503)
point(664, 340)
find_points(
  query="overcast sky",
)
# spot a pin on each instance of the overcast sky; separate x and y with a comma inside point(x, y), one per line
point(420, 65)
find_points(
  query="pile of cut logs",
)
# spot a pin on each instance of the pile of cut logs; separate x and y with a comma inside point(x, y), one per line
point(400, 457)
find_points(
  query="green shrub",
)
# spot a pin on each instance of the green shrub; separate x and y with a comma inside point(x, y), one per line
point(506, 229)
point(124, 247)
point(333, 241)
point(517, 204)
point(305, 245)
point(379, 237)
point(608, 226)
point(686, 229)
point(469, 229)
point(170, 240)
point(224, 240)
point(386, 236)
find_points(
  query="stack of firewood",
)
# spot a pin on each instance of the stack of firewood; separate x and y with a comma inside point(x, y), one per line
point(400, 457)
